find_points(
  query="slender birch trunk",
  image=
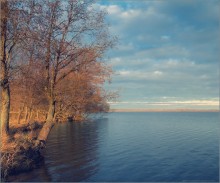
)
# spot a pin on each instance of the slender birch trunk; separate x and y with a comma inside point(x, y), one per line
point(26, 114)
point(20, 112)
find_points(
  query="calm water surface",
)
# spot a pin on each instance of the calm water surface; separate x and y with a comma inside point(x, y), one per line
point(132, 147)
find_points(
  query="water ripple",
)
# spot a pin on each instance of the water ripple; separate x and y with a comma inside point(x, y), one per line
point(133, 147)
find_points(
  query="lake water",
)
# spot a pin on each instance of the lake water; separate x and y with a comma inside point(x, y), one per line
point(133, 147)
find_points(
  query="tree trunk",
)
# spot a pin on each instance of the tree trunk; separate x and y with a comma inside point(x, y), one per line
point(50, 79)
point(5, 90)
point(19, 116)
point(37, 115)
point(26, 114)
point(49, 122)
point(5, 109)
point(30, 114)
point(19, 113)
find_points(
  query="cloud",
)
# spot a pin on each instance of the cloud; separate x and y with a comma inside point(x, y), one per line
point(112, 9)
point(158, 73)
point(140, 75)
point(148, 26)
point(187, 104)
point(166, 48)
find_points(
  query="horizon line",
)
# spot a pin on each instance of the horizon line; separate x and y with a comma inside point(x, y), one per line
point(164, 110)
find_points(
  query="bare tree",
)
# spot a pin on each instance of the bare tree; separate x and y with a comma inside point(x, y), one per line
point(59, 38)
point(67, 31)
point(82, 93)
point(27, 89)
point(11, 20)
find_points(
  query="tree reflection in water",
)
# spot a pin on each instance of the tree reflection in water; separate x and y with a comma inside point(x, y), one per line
point(70, 154)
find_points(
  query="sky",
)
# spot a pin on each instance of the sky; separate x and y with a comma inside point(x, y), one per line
point(167, 56)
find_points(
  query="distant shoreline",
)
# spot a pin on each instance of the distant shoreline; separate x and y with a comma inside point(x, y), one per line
point(164, 110)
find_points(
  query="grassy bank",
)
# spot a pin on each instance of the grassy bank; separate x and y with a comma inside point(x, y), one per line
point(19, 151)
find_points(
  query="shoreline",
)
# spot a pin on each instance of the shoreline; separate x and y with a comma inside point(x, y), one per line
point(19, 150)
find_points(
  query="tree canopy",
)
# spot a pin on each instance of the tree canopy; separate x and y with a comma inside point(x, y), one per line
point(52, 61)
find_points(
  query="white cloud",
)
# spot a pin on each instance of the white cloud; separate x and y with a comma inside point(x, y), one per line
point(158, 73)
point(139, 75)
point(127, 73)
point(112, 9)
point(116, 11)
point(173, 103)
point(116, 61)
point(130, 14)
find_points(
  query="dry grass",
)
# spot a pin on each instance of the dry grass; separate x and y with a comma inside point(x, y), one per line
point(19, 151)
